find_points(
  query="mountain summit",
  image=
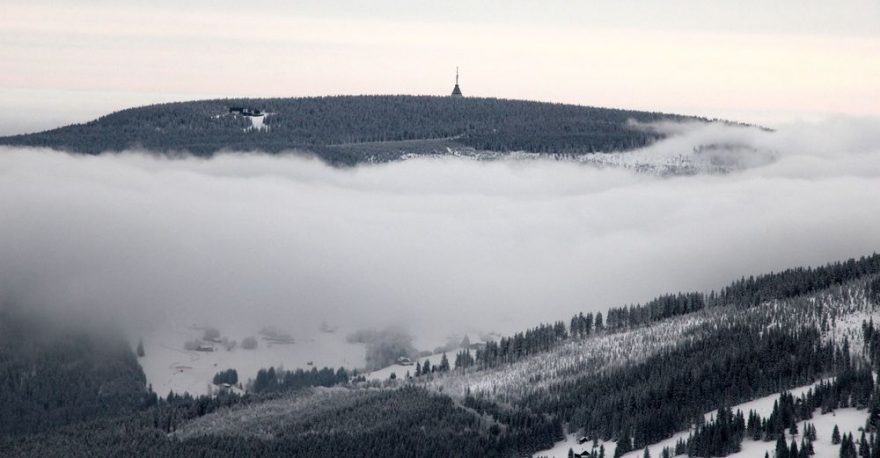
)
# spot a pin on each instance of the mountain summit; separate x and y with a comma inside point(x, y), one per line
point(347, 130)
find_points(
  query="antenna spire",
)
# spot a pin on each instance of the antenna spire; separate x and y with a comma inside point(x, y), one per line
point(456, 91)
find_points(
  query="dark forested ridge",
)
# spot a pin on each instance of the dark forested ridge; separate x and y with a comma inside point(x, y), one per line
point(354, 129)
point(51, 377)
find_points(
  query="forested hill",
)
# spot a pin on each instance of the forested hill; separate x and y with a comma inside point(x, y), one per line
point(637, 378)
point(353, 129)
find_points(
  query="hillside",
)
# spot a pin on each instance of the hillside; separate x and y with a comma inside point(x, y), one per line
point(659, 375)
point(51, 376)
point(347, 130)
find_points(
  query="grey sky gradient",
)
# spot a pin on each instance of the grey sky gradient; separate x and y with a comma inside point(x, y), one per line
point(769, 62)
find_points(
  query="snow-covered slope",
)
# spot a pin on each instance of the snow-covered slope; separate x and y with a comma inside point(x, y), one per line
point(400, 370)
point(848, 420)
point(265, 418)
point(575, 357)
point(838, 311)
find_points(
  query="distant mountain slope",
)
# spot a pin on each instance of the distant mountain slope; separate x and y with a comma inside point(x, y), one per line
point(630, 378)
point(354, 129)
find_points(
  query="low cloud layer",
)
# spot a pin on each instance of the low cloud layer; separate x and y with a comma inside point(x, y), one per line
point(438, 246)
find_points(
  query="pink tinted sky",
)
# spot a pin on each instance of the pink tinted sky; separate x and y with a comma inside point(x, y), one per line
point(750, 60)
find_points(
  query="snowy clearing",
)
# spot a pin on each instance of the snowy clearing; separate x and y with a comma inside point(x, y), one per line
point(257, 122)
point(168, 366)
point(400, 370)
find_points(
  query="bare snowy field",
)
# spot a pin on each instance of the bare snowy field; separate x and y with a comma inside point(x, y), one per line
point(169, 366)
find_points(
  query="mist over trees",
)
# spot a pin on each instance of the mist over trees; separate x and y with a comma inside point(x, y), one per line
point(384, 346)
point(229, 376)
point(51, 376)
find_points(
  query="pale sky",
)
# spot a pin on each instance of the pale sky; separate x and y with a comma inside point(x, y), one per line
point(749, 60)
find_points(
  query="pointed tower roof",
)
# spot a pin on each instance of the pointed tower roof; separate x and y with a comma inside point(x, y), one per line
point(456, 91)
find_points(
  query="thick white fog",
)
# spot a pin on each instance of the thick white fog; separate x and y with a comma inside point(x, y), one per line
point(439, 246)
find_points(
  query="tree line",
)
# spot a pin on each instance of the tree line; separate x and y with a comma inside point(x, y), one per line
point(271, 379)
point(745, 292)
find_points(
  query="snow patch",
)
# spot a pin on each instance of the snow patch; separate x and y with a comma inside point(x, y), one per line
point(257, 122)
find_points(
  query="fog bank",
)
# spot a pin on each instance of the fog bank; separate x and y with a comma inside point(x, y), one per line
point(438, 246)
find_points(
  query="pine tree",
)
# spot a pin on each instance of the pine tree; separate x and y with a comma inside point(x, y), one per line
point(835, 435)
point(781, 448)
point(140, 348)
point(804, 452)
point(810, 432)
point(864, 450)
point(875, 446)
point(847, 447)
point(624, 445)
point(874, 412)
point(647, 453)
point(444, 363)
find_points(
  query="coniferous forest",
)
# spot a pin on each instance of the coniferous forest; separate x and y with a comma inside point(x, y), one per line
point(346, 130)
point(82, 393)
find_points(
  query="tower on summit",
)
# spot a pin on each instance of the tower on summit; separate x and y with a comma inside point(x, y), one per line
point(456, 91)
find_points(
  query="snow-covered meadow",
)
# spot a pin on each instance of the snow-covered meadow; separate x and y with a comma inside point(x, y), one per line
point(169, 366)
